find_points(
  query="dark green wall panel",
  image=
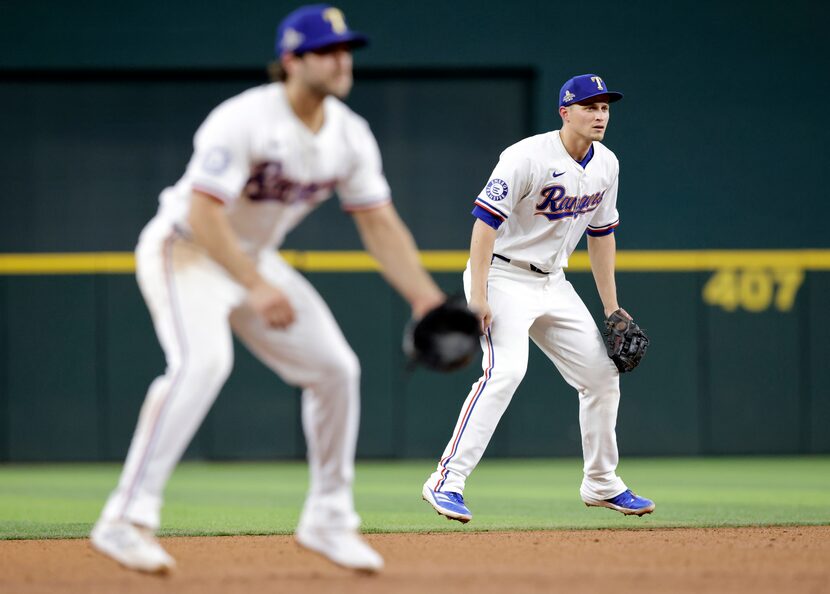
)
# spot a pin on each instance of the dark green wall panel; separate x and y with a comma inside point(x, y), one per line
point(52, 366)
point(5, 401)
point(103, 119)
point(816, 409)
point(753, 382)
point(431, 404)
point(659, 407)
point(92, 180)
point(80, 353)
point(133, 358)
point(691, 167)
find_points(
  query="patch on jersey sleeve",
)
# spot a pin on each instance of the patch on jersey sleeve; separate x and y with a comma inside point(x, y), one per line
point(496, 189)
point(216, 160)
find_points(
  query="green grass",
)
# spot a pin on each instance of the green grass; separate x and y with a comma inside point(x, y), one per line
point(62, 501)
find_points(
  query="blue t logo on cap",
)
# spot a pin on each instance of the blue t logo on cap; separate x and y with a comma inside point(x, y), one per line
point(313, 27)
point(583, 87)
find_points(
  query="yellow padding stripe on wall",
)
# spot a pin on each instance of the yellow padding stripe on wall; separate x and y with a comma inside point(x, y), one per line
point(438, 261)
point(86, 263)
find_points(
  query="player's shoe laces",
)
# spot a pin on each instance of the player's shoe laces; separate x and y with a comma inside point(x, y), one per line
point(448, 504)
point(132, 546)
point(627, 502)
point(342, 546)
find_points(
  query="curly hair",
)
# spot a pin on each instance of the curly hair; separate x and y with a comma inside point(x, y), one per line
point(276, 73)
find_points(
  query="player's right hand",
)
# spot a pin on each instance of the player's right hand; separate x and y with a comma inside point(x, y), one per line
point(481, 309)
point(272, 304)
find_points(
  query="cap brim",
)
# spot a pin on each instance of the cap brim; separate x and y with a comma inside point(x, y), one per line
point(612, 97)
point(353, 39)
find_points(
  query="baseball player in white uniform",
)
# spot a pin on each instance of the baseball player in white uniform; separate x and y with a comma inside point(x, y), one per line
point(544, 194)
point(207, 267)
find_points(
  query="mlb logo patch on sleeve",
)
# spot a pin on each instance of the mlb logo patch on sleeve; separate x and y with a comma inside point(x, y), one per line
point(496, 189)
point(216, 160)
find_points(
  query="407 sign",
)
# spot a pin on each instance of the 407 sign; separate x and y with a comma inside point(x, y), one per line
point(753, 289)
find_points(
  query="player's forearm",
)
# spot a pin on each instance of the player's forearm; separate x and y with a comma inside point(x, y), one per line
point(211, 229)
point(481, 255)
point(389, 241)
point(603, 253)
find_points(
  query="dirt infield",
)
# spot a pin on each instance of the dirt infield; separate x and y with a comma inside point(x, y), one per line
point(757, 560)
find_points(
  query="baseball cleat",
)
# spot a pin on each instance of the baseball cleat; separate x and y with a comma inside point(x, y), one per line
point(448, 504)
point(132, 546)
point(627, 502)
point(343, 547)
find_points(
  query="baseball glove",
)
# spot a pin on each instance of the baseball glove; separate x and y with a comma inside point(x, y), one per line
point(625, 341)
point(445, 339)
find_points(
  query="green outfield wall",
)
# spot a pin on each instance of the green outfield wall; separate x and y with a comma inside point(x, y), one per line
point(724, 251)
point(723, 375)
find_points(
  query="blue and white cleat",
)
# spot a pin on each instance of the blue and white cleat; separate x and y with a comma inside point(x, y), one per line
point(627, 502)
point(450, 505)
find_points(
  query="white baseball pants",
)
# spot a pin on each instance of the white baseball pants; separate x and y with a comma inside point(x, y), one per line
point(548, 309)
point(195, 305)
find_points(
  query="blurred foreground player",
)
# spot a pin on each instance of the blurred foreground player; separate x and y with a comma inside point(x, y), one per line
point(207, 266)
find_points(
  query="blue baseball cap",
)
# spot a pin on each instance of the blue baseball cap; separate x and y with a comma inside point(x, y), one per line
point(583, 87)
point(314, 26)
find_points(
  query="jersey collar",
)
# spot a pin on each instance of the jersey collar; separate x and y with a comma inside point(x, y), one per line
point(584, 162)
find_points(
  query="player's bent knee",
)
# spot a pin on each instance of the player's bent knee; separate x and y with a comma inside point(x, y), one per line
point(509, 377)
point(602, 377)
point(211, 367)
point(602, 392)
point(344, 368)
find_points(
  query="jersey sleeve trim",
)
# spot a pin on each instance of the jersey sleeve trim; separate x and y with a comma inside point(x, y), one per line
point(600, 233)
point(491, 209)
point(487, 218)
point(366, 206)
point(213, 192)
point(603, 230)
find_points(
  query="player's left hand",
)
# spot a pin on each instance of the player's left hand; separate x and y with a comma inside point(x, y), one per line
point(625, 341)
point(619, 310)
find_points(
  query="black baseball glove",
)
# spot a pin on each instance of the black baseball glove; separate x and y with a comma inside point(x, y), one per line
point(445, 339)
point(625, 341)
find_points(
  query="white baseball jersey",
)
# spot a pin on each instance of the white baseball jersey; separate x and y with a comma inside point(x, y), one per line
point(254, 154)
point(542, 201)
